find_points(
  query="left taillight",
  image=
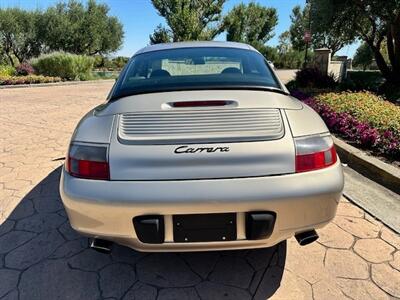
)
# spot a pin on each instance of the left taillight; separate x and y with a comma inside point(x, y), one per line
point(88, 161)
point(314, 152)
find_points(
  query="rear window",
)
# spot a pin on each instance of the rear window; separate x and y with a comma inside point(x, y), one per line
point(194, 68)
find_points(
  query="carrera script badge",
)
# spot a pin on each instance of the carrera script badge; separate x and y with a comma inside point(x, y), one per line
point(187, 149)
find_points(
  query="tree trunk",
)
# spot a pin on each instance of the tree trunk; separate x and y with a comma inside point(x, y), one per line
point(390, 48)
point(19, 57)
point(10, 58)
point(395, 32)
point(387, 73)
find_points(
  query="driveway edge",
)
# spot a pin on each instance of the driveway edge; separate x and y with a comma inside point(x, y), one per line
point(61, 83)
point(369, 166)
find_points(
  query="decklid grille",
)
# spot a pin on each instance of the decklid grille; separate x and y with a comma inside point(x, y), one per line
point(200, 126)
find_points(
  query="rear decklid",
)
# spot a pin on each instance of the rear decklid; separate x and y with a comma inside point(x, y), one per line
point(248, 136)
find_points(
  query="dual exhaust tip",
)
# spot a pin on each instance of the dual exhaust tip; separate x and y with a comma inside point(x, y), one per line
point(303, 238)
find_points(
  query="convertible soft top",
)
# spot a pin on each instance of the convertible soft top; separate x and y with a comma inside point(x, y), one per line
point(196, 44)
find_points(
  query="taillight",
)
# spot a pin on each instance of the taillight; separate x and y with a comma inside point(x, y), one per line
point(314, 152)
point(88, 161)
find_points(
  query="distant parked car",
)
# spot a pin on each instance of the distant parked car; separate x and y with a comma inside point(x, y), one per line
point(199, 146)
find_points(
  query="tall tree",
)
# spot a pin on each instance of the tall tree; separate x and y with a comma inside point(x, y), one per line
point(331, 37)
point(19, 35)
point(187, 20)
point(300, 21)
point(252, 23)
point(363, 57)
point(160, 35)
point(81, 29)
point(373, 21)
point(285, 43)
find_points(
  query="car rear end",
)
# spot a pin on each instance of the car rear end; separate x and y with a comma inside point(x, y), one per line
point(204, 169)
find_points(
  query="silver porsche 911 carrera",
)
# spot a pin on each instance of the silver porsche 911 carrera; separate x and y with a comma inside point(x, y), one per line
point(199, 146)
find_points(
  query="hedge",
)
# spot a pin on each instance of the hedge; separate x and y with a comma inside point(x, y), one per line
point(65, 65)
point(6, 70)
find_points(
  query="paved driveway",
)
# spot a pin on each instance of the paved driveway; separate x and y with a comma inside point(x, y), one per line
point(41, 257)
point(286, 75)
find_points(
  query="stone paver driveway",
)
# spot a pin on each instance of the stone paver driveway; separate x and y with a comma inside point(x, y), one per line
point(41, 257)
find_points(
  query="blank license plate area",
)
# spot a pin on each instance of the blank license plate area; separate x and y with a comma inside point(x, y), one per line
point(204, 227)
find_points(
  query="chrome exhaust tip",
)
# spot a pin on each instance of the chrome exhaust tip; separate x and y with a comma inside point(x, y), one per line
point(101, 246)
point(307, 237)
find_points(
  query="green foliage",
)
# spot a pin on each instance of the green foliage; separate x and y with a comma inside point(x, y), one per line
point(6, 70)
point(252, 24)
point(300, 21)
point(332, 37)
point(363, 57)
point(359, 81)
point(160, 35)
point(120, 61)
point(291, 59)
point(285, 44)
point(97, 75)
point(65, 65)
point(19, 34)
point(81, 29)
point(187, 20)
point(390, 91)
point(314, 78)
point(71, 27)
point(103, 62)
point(29, 79)
point(375, 22)
point(270, 53)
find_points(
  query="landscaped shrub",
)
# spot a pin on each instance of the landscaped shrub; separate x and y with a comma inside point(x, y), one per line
point(65, 65)
point(390, 91)
point(29, 79)
point(362, 80)
point(314, 78)
point(362, 118)
point(24, 69)
point(7, 70)
point(366, 107)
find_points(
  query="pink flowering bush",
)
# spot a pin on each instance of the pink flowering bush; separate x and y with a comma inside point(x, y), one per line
point(384, 142)
point(24, 69)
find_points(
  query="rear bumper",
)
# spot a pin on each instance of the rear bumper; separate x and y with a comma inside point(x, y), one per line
point(105, 209)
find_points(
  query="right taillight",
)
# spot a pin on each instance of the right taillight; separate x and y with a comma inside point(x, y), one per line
point(314, 152)
point(88, 161)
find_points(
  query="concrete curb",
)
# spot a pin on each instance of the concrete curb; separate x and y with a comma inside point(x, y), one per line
point(359, 204)
point(369, 211)
point(369, 166)
point(62, 83)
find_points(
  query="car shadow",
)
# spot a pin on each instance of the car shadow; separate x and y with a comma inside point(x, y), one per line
point(42, 257)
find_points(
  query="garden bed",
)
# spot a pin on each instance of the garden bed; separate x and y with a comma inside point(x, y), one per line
point(28, 79)
point(362, 119)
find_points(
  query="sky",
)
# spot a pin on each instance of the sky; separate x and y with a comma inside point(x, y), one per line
point(139, 19)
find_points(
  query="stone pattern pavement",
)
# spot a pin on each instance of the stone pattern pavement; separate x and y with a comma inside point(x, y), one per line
point(41, 257)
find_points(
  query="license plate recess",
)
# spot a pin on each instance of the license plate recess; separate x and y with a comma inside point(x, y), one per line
point(204, 227)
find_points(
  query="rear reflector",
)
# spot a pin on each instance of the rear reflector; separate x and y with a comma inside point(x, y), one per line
point(200, 103)
point(88, 161)
point(314, 152)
